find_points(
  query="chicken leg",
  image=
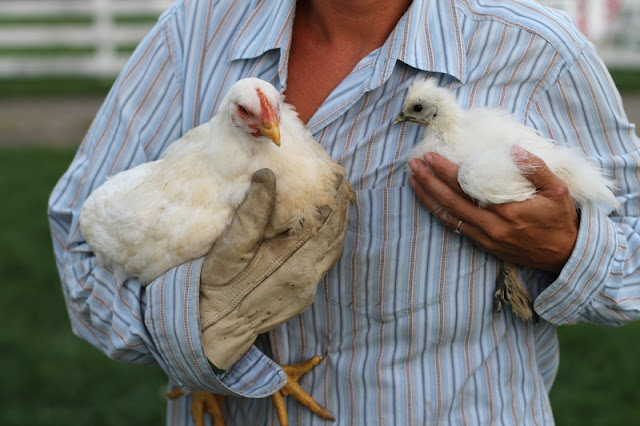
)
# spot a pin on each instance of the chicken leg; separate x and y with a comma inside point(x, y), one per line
point(203, 402)
point(293, 388)
point(511, 290)
point(207, 402)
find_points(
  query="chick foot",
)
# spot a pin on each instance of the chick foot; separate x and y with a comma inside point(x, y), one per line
point(203, 402)
point(511, 290)
point(293, 388)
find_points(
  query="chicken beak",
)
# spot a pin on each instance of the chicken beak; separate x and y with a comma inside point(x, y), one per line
point(270, 130)
point(400, 118)
point(407, 118)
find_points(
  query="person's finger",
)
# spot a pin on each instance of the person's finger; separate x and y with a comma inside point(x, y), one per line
point(537, 171)
point(436, 194)
point(444, 169)
point(473, 217)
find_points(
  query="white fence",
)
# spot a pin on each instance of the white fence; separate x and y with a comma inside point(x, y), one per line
point(613, 25)
point(97, 29)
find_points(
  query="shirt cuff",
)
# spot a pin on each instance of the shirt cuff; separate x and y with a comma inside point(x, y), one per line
point(590, 266)
point(173, 320)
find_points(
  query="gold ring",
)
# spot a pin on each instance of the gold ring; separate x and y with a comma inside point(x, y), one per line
point(457, 230)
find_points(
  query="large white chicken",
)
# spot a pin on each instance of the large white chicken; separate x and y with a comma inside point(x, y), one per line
point(146, 220)
point(143, 221)
point(480, 141)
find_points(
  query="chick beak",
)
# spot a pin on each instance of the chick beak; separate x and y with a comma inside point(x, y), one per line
point(271, 130)
point(400, 118)
point(408, 118)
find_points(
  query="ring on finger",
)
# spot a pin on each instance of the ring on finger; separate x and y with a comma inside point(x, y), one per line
point(457, 230)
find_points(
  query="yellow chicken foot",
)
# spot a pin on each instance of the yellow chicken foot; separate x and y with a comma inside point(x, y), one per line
point(206, 402)
point(201, 402)
point(294, 372)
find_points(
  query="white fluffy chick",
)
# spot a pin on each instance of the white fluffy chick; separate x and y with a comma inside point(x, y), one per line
point(480, 141)
point(146, 220)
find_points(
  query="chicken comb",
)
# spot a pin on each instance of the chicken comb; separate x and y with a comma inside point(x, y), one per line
point(267, 113)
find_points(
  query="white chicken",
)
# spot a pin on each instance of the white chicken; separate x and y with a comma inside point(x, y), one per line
point(480, 141)
point(146, 220)
point(143, 221)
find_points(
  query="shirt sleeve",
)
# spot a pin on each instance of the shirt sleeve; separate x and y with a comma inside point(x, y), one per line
point(601, 281)
point(159, 323)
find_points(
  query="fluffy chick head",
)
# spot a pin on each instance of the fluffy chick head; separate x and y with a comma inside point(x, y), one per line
point(430, 106)
point(254, 107)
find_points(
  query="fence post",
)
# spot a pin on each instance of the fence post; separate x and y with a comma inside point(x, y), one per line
point(105, 47)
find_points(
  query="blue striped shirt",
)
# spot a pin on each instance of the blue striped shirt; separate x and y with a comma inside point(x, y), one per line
point(405, 316)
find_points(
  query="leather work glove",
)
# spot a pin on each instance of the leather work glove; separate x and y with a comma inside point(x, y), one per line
point(249, 286)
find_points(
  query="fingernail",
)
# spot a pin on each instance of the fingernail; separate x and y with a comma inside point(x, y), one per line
point(413, 165)
point(519, 152)
point(428, 158)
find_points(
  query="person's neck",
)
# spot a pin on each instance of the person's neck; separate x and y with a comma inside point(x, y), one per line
point(329, 38)
point(361, 24)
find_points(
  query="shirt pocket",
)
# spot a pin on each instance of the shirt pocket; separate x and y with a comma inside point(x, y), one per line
point(397, 257)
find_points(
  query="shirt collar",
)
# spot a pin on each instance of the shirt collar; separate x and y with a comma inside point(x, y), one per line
point(427, 37)
point(268, 27)
point(435, 44)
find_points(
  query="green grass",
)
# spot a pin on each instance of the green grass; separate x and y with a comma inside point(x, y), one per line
point(63, 21)
point(627, 80)
point(597, 384)
point(49, 376)
point(143, 18)
point(78, 20)
point(47, 51)
point(54, 87)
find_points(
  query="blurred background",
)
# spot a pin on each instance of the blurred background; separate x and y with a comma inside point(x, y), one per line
point(57, 62)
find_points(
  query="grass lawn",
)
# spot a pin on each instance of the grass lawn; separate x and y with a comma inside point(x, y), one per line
point(51, 377)
point(597, 384)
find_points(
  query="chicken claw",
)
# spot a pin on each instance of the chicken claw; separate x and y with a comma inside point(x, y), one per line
point(294, 372)
point(207, 402)
point(201, 402)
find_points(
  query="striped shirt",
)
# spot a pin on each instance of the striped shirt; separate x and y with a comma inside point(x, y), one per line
point(405, 317)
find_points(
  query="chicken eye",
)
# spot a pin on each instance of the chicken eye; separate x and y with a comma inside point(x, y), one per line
point(243, 110)
point(417, 108)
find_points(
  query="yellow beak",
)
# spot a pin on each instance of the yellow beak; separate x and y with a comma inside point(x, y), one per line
point(270, 130)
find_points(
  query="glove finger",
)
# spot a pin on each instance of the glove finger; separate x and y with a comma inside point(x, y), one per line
point(314, 242)
point(252, 216)
point(335, 247)
point(335, 223)
point(239, 242)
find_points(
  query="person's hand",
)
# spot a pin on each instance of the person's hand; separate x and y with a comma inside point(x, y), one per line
point(249, 286)
point(540, 232)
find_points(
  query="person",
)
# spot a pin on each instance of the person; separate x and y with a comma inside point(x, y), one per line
point(404, 319)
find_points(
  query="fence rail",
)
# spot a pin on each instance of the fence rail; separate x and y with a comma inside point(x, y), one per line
point(104, 34)
point(33, 43)
point(612, 25)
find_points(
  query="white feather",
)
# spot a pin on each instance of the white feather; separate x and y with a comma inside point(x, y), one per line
point(146, 220)
point(480, 141)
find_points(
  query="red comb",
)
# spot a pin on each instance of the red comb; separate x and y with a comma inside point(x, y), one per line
point(267, 113)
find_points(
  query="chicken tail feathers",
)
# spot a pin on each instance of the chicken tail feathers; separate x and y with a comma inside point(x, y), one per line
point(585, 180)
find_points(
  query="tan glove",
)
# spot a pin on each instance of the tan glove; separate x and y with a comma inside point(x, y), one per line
point(249, 286)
